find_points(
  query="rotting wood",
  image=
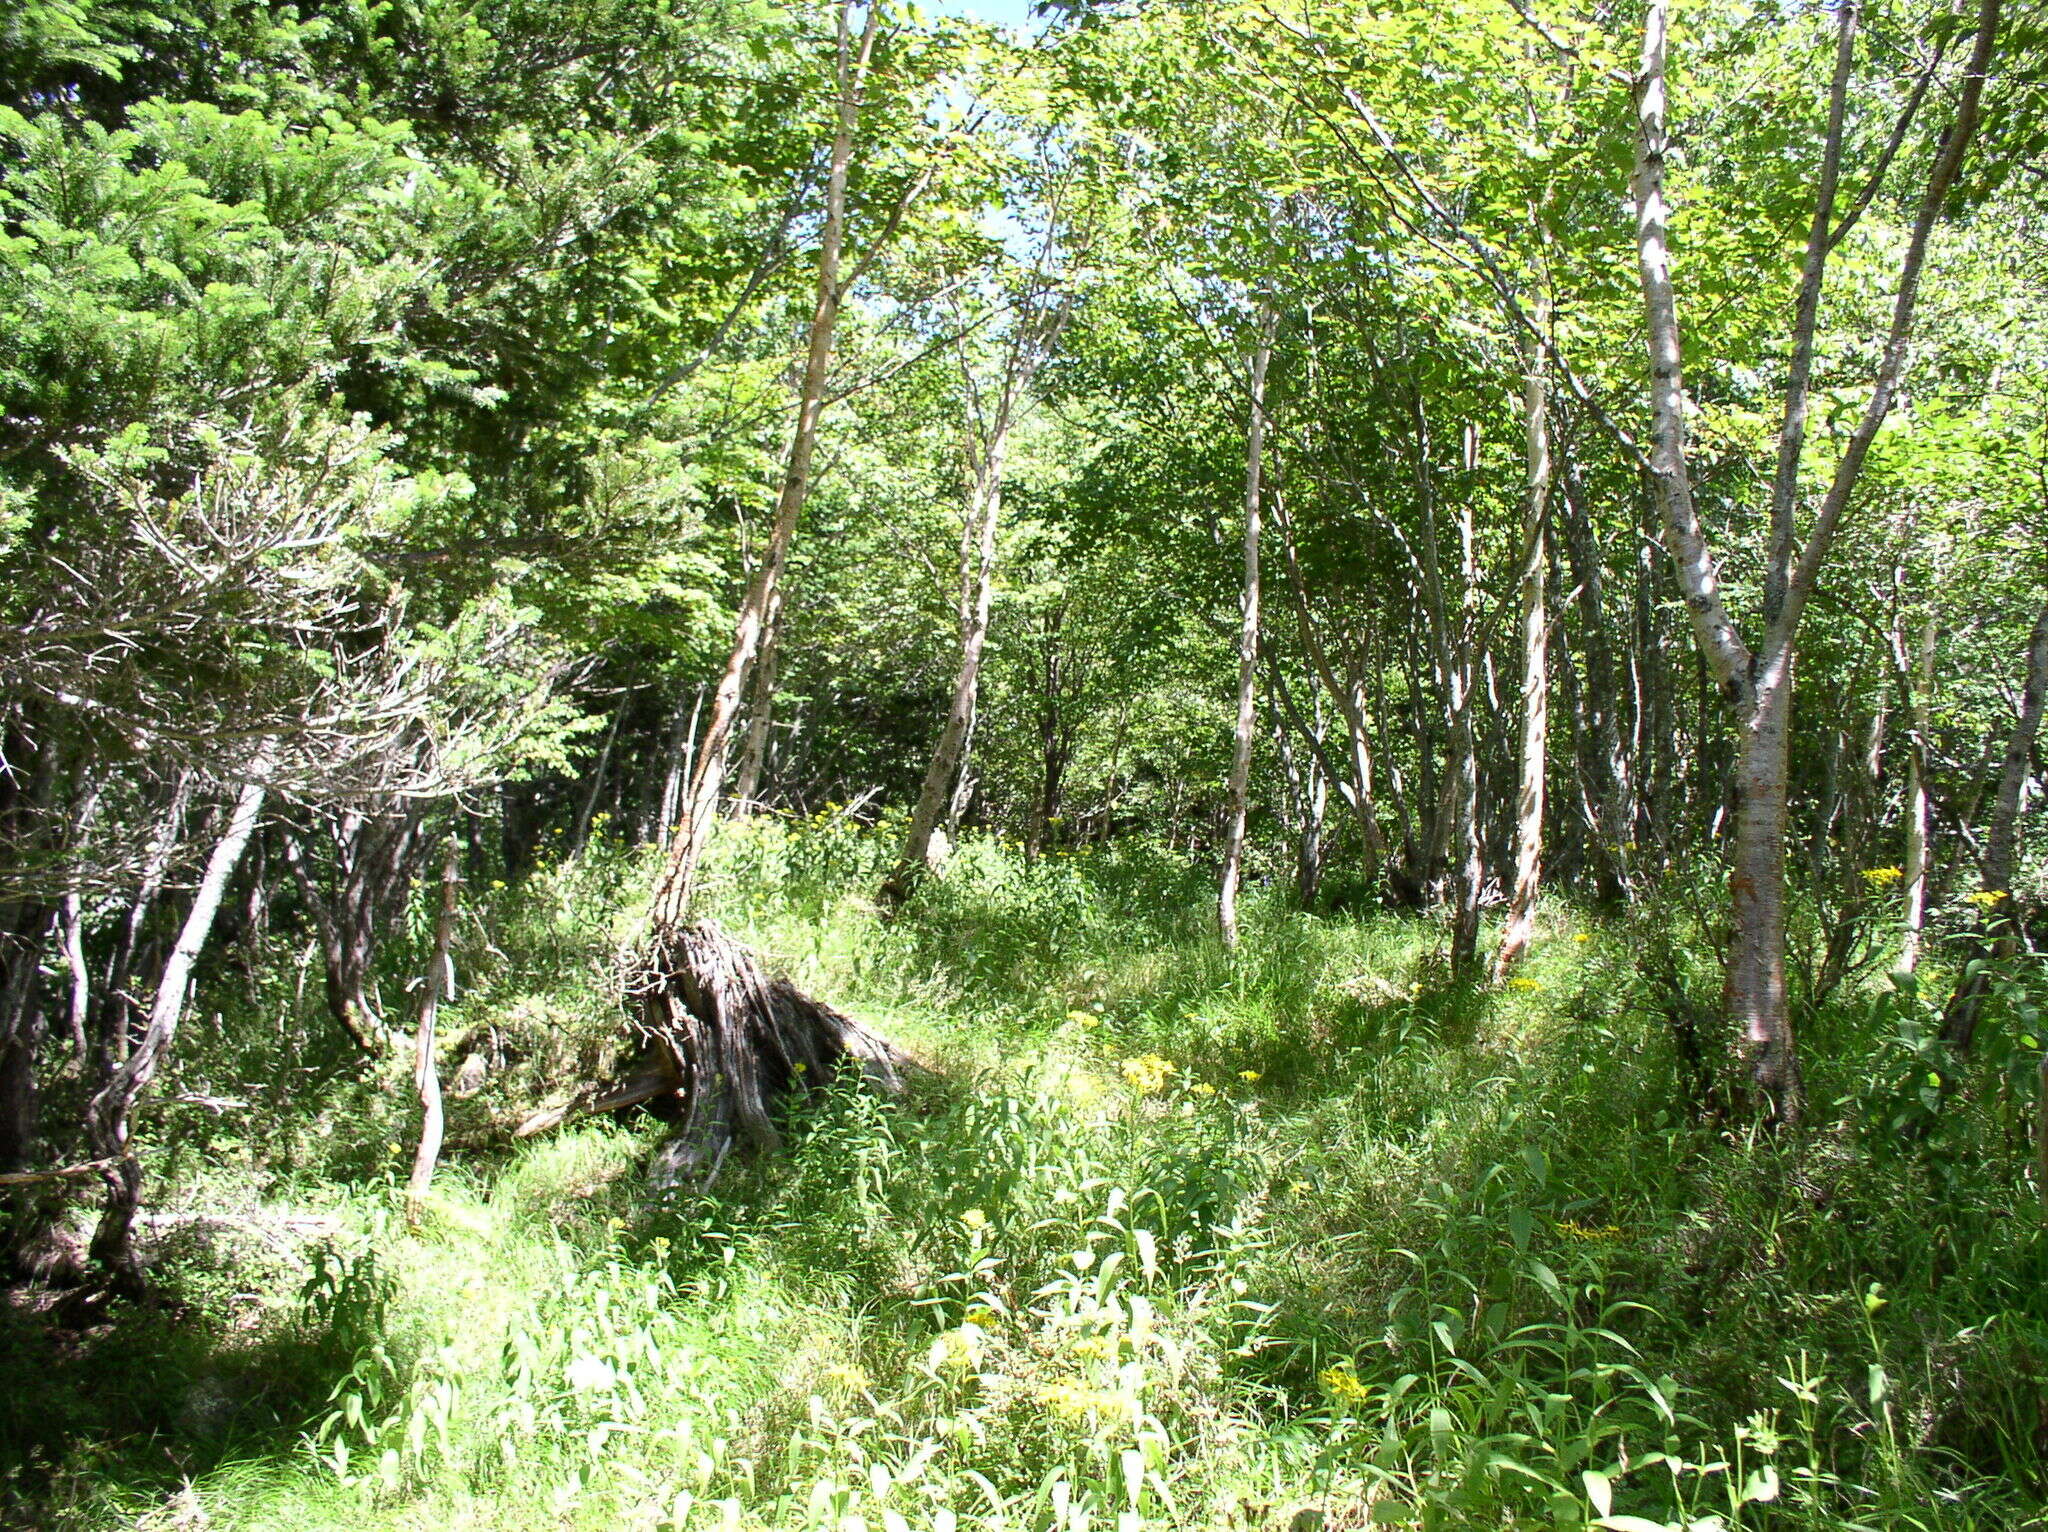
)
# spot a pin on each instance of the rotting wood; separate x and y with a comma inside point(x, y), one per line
point(722, 1044)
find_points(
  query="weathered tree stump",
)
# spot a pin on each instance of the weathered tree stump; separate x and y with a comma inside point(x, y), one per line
point(721, 1043)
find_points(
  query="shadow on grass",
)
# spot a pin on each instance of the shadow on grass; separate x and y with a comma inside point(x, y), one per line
point(113, 1418)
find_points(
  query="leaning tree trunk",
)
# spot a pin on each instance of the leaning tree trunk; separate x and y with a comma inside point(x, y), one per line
point(700, 808)
point(1997, 933)
point(977, 594)
point(107, 1117)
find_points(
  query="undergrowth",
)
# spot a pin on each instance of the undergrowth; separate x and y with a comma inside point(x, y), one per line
point(1309, 1237)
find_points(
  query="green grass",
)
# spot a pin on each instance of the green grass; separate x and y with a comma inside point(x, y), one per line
point(1169, 1239)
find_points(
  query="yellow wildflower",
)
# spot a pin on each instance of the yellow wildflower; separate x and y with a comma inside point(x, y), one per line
point(1094, 1348)
point(1148, 1072)
point(1084, 1019)
point(1986, 898)
point(956, 1350)
point(1342, 1384)
point(975, 1219)
point(1523, 984)
point(1586, 1234)
point(1071, 1401)
point(1583, 936)
point(1882, 877)
point(1202, 1088)
point(1249, 1076)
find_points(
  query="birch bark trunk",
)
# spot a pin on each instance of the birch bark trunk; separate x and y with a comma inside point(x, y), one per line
point(977, 596)
point(107, 1116)
point(1759, 684)
point(1521, 920)
point(760, 714)
point(1245, 730)
point(440, 985)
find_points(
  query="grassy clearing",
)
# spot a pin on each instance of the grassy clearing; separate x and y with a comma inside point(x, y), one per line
point(1167, 1241)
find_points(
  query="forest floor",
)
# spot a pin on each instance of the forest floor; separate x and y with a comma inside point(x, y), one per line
point(1312, 1238)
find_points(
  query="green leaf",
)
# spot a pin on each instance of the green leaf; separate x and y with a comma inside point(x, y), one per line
point(1599, 1491)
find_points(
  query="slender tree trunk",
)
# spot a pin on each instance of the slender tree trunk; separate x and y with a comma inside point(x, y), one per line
point(672, 895)
point(1247, 641)
point(1357, 789)
point(1759, 684)
point(963, 783)
point(682, 737)
point(373, 857)
point(1997, 933)
point(72, 921)
point(1514, 940)
point(1920, 707)
point(115, 1006)
point(977, 595)
point(107, 1117)
point(580, 833)
point(1755, 980)
point(440, 985)
point(1470, 873)
point(1313, 785)
point(760, 714)
point(2001, 846)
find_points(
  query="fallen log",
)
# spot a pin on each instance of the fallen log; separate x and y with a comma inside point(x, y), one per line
point(722, 1044)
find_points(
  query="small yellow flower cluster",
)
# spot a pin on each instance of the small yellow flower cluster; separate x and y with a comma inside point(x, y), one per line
point(1249, 1076)
point(1883, 877)
point(1524, 984)
point(1987, 898)
point(1094, 1348)
point(1071, 1401)
point(1583, 936)
point(1342, 1384)
point(1084, 1019)
point(956, 1350)
point(852, 1379)
point(975, 1219)
point(1587, 1234)
point(1148, 1072)
point(1201, 1088)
